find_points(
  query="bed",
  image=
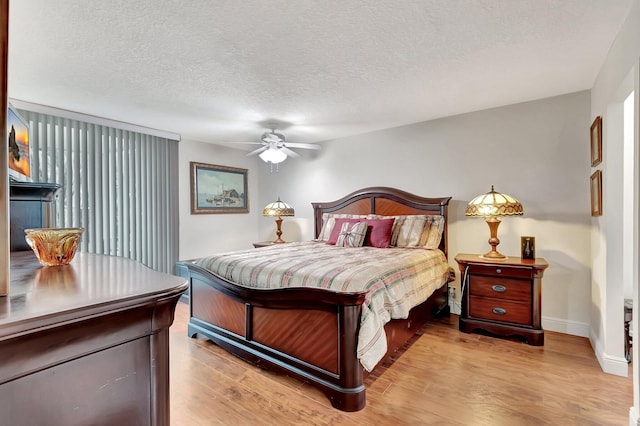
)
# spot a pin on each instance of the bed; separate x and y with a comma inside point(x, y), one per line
point(311, 333)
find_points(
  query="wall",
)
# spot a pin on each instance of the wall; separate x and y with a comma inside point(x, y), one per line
point(619, 74)
point(204, 234)
point(537, 152)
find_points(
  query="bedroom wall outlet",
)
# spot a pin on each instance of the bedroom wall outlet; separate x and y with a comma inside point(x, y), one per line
point(452, 293)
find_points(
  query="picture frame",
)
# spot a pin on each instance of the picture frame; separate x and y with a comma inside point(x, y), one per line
point(218, 189)
point(528, 247)
point(19, 156)
point(596, 193)
point(596, 141)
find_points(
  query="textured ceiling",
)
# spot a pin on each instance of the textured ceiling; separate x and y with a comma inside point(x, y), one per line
point(219, 70)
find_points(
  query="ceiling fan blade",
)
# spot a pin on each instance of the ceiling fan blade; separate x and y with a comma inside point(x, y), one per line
point(289, 152)
point(302, 145)
point(258, 151)
point(246, 143)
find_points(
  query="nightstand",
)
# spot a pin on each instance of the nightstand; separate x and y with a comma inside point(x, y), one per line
point(502, 297)
point(265, 244)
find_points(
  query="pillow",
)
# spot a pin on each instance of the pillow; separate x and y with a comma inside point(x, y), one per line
point(435, 232)
point(337, 228)
point(379, 232)
point(417, 231)
point(329, 220)
point(352, 234)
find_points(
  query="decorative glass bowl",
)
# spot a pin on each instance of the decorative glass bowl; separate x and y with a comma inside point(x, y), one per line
point(54, 246)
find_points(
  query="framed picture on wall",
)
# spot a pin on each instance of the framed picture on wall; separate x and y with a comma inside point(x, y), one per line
point(596, 141)
point(218, 189)
point(528, 247)
point(18, 142)
point(596, 193)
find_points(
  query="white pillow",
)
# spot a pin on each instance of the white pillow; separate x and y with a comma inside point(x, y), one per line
point(329, 221)
point(417, 231)
point(352, 234)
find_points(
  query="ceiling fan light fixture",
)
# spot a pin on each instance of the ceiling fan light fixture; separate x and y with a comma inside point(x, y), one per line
point(273, 155)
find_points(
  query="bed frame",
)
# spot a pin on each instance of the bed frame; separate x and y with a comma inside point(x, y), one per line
point(309, 333)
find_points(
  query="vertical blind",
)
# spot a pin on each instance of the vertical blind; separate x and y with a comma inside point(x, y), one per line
point(121, 186)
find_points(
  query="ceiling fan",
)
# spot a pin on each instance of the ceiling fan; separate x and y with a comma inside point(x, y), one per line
point(275, 150)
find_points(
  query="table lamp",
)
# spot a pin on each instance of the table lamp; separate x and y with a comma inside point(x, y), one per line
point(490, 206)
point(277, 209)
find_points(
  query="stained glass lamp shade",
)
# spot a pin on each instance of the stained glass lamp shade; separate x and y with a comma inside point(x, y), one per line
point(489, 206)
point(278, 209)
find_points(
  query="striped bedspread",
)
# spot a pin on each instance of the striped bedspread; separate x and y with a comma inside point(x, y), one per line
point(396, 279)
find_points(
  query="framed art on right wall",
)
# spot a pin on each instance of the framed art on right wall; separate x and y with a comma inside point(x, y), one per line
point(596, 193)
point(596, 141)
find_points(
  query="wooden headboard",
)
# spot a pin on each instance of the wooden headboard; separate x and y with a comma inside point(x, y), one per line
point(384, 201)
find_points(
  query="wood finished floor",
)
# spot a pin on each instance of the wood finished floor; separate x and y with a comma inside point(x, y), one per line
point(445, 378)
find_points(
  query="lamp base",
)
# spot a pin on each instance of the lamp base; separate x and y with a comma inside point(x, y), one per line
point(279, 231)
point(493, 255)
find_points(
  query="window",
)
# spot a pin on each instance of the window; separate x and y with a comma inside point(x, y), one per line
point(120, 185)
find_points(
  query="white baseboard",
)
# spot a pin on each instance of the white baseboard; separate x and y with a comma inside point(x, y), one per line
point(634, 419)
point(567, 327)
point(615, 365)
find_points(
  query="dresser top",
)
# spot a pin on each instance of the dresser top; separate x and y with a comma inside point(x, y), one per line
point(90, 285)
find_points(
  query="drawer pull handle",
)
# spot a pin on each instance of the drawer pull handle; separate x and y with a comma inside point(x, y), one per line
point(498, 288)
point(499, 311)
point(498, 271)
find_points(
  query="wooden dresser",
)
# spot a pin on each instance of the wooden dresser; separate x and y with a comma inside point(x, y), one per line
point(86, 343)
point(502, 297)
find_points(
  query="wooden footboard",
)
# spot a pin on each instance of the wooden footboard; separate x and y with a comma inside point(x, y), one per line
point(310, 334)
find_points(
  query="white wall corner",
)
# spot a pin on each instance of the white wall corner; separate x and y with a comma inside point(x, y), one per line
point(558, 325)
point(613, 365)
point(634, 418)
point(610, 364)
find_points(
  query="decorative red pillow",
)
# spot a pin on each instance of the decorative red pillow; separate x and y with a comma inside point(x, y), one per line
point(335, 232)
point(379, 232)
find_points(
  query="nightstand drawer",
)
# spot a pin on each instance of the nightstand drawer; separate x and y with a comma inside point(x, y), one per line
point(500, 288)
point(500, 310)
point(500, 271)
